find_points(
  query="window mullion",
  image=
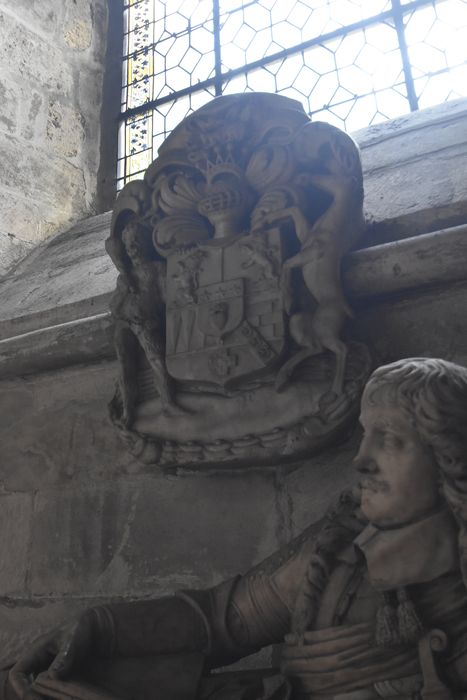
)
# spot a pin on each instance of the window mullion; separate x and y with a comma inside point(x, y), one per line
point(217, 47)
point(399, 26)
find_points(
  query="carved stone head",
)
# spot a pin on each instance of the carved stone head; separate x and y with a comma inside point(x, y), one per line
point(136, 241)
point(414, 413)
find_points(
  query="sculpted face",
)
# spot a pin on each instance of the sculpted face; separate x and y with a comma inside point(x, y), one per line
point(133, 244)
point(399, 473)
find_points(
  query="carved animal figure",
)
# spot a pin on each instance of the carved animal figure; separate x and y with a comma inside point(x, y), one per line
point(187, 275)
point(323, 245)
point(138, 306)
point(256, 253)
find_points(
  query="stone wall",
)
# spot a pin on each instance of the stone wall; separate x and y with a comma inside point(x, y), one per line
point(81, 521)
point(51, 64)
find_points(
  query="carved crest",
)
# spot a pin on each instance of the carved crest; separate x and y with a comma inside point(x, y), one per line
point(221, 305)
point(229, 309)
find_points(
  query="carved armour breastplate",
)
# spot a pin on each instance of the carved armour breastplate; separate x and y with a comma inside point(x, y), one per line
point(345, 656)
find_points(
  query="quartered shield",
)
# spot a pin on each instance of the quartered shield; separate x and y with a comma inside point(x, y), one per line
point(220, 307)
point(224, 315)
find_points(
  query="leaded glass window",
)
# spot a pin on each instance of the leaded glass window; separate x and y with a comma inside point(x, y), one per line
point(350, 62)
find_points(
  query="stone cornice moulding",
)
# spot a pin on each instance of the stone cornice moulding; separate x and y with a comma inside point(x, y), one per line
point(408, 265)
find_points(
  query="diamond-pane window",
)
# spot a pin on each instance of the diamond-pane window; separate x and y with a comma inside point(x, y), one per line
point(349, 62)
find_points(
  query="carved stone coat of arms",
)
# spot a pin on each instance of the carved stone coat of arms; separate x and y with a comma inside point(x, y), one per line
point(224, 315)
point(229, 311)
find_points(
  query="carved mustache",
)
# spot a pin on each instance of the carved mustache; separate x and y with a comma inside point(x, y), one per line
point(369, 467)
point(374, 485)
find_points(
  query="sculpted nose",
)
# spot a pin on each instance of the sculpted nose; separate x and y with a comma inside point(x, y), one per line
point(365, 465)
point(363, 462)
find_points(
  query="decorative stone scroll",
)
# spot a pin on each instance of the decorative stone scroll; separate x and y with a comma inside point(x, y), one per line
point(229, 311)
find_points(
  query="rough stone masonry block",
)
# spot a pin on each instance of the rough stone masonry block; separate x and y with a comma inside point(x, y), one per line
point(68, 269)
point(43, 15)
point(150, 535)
point(40, 175)
point(84, 27)
point(431, 206)
point(12, 250)
point(75, 532)
point(432, 323)
point(65, 432)
point(15, 531)
point(32, 115)
point(200, 529)
point(65, 132)
point(99, 15)
point(51, 124)
point(89, 95)
point(22, 218)
point(8, 107)
point(34, 60)
point(426, 150)
point(59, 181)
point(316, 484)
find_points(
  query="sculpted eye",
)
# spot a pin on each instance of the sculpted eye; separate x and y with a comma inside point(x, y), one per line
point(392, 442)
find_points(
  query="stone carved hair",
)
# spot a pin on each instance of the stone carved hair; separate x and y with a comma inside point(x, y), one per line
point(433, 395)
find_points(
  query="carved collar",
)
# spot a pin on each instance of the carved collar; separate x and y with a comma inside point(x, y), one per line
point(415, 553)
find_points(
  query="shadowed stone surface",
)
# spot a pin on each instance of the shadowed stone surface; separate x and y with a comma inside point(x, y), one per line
point(52, 60)
point(15, 534)
point(150, 535)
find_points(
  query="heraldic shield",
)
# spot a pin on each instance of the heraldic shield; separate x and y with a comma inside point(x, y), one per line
point(231, 323)
point(224, 319)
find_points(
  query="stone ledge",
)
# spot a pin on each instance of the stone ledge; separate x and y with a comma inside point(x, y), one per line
point(80, 341)
point(413, 263)
point(414, 172)
point(426, 260)
point(62, 280)
point(63, 314)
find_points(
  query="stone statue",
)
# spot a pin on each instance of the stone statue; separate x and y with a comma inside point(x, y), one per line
point(323, 244)
point(368, 603)
point(247, 213)
point(138, 309)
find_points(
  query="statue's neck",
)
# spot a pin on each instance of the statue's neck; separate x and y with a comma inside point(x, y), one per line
point(415, 552)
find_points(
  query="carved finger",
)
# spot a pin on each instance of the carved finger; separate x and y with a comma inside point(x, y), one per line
point(342, 650)
point(33, 662)
point(294, 667)
point(67, 655)
point(312, 636)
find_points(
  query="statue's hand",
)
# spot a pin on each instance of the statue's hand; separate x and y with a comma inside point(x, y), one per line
point(330, 650)
point(262, 219)
point(59, 653)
